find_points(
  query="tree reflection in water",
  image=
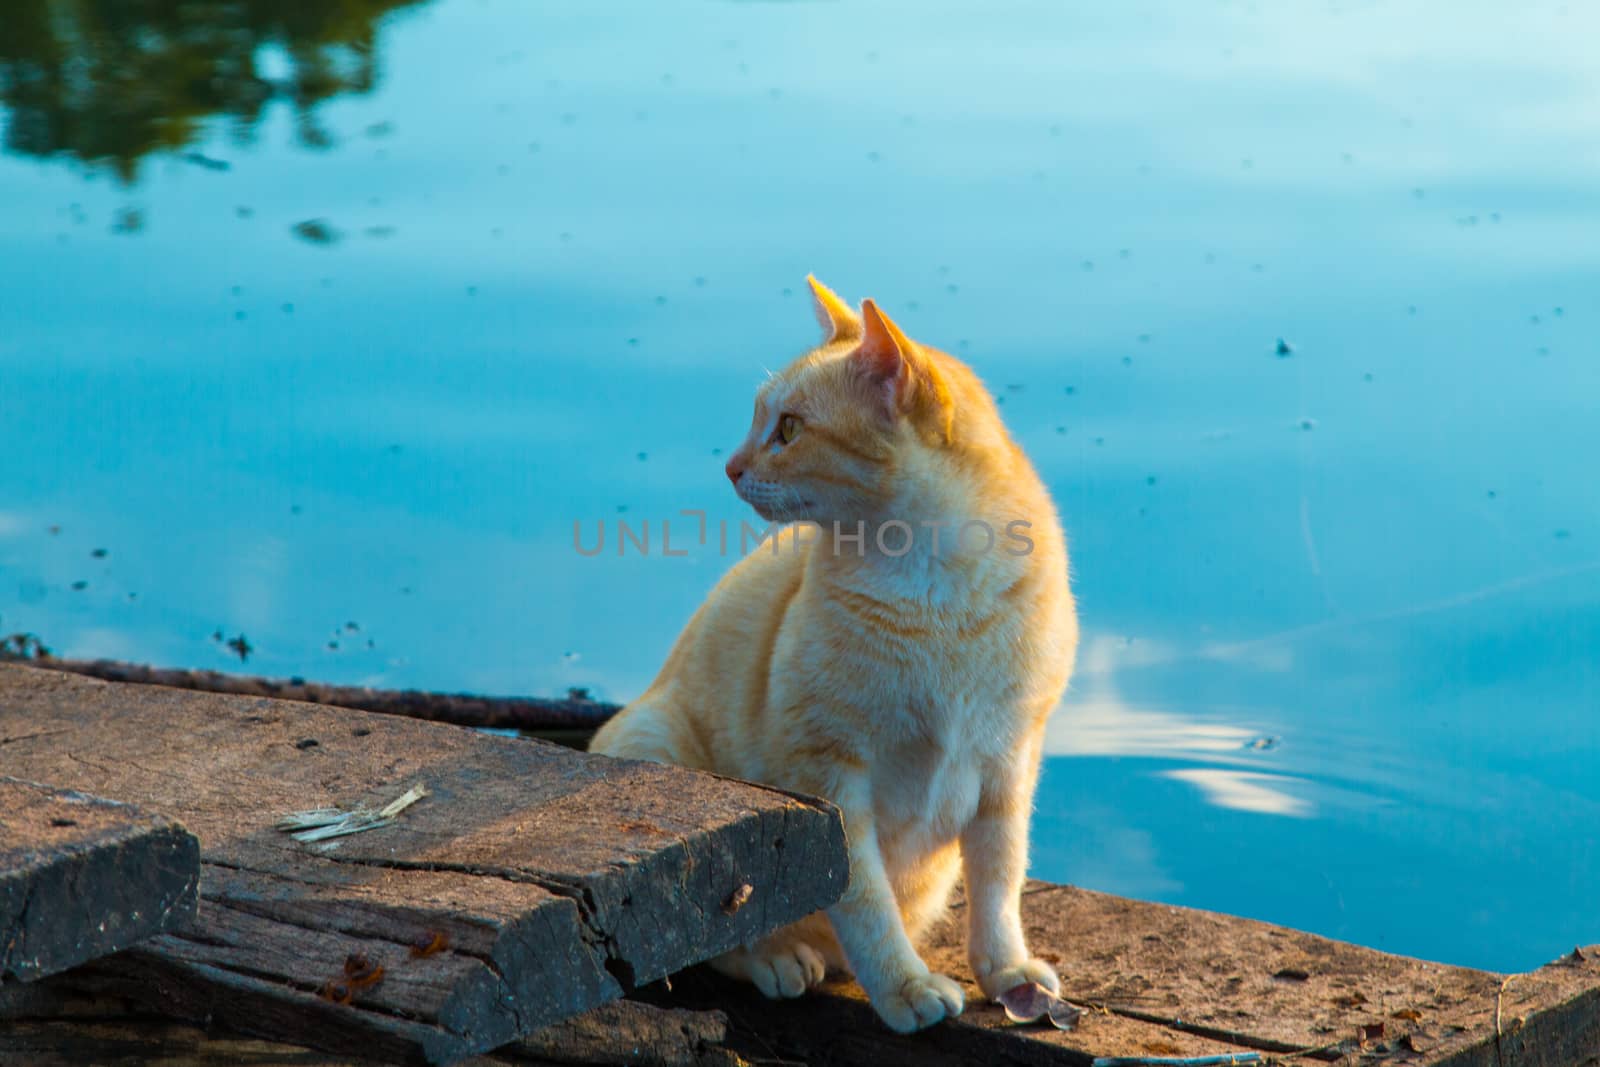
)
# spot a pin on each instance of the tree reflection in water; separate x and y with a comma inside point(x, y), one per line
point(107, 82)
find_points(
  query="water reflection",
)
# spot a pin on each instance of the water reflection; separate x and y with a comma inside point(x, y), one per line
point(1264, 794)
point(1097, 721)
point(107, 83)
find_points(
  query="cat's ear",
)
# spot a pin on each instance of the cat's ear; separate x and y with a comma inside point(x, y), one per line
point(838, 322)
point(901, 376)
point(885, 358)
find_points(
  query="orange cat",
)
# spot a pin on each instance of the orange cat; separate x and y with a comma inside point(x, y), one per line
point(899, 658)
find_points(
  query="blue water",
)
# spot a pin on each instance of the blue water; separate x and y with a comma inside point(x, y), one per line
point(1341, 605)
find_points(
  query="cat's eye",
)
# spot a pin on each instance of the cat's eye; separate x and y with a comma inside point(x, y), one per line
point(789, 428)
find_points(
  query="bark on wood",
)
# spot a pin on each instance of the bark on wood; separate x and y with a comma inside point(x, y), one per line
point(568, 720)
point(82, 877)
point(557, 880)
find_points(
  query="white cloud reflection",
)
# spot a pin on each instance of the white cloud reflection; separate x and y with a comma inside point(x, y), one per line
point(1096, 720)
point(1103, 725)
point(1246, 790)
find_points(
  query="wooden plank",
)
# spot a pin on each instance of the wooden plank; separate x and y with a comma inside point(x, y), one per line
point(557, 880)
point(52, 1025)
point(1162, 981)
point(1546, 1018)
point(82, 877)
point(1268, 988)
point(1431, 1016)
point(572, 719)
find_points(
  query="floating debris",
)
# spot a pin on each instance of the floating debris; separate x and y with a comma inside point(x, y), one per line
point(23, 646)
point(316, 231)
point(1284, 349)
point(200, 159)
point(127, 220)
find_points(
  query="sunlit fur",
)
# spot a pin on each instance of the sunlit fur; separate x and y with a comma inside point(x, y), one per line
point(911, 690)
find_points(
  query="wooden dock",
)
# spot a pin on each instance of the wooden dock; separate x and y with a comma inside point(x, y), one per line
point(530, 884)
point(557, 881)
point(1157, 983)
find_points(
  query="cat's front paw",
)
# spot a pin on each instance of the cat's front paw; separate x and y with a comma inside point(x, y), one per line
point(1006, 978)
point(920, 1001)
point(781, 967)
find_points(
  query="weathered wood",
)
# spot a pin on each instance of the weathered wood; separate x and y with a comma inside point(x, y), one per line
point(1160, 981)
point(1546, 1018)
point(568, 720)
point(53, 1025)
point(82, 877)
point(1239, 981)
point(557, 880)
point(1174, 982)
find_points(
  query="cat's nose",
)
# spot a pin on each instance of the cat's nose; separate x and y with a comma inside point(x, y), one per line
point(734, 468)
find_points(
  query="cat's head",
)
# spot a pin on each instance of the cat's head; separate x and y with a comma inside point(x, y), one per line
point(869, 425)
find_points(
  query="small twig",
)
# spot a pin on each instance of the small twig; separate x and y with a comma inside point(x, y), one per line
point(320, 824)
point(14, 738)
point(1499, 997)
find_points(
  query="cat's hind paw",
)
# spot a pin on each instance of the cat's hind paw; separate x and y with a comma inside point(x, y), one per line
point(921, 1001)
point(781, 969)
point(1008, 978)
